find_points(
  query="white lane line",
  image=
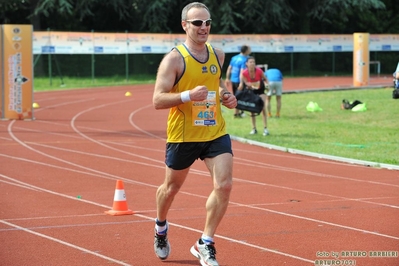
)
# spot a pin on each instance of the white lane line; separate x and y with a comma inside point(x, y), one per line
point(281, 213)
point(71, 225)
point(317, 193)
point(235, 179)
point(295, 170)
point(240, 160)
point(231, 202)
point(139, 128)
point(64, 103)
point(65, 243)
point(141, 216)
point(240, 204)
point(317, 221)
point(52, 192)
point(17, 185)
point(247, 244)
point(68, 162)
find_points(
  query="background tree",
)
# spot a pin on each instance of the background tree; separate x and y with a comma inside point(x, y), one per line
point(233, 16)
point(229, 16)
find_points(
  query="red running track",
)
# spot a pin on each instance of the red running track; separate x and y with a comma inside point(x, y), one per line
point(58, 176)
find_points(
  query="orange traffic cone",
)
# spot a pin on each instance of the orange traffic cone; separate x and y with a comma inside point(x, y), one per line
point(120, 205)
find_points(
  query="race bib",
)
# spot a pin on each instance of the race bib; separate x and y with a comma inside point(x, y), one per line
point(204, 112)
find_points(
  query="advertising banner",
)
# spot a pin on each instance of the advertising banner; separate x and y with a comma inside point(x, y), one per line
point(17, 72)
point(54, 42)
point(361, 60)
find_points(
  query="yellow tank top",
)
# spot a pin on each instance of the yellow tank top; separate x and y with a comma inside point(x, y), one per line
point(197, 121)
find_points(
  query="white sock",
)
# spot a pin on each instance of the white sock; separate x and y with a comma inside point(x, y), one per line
point(207, 239)
point(161, 229)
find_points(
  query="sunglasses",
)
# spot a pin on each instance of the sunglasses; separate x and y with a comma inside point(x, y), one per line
point(199, 23)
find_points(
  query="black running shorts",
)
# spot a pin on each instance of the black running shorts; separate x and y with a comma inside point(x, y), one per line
point(179, 156)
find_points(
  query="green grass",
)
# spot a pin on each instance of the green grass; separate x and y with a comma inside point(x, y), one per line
point(370, 135)
point(57, 83)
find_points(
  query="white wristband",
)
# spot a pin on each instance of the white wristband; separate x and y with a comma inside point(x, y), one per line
point(185, 96)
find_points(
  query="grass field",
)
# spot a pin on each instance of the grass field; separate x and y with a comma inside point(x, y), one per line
point(370, 135)
point(56, 83)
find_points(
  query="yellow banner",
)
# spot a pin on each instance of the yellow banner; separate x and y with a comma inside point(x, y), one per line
point(361, 59)
point(17, 71)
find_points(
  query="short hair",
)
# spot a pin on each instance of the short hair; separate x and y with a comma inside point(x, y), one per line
point(192, 5)
point(244, 49)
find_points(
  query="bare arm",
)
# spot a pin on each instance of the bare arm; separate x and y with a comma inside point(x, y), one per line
point(243, 81)
point(168, 71)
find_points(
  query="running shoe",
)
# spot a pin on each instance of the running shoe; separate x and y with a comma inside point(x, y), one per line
point(161, 246)
point(206, 253)
point(265, 132)
point(253, 131)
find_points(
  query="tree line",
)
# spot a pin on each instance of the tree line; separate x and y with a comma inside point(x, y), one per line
point(229, 16)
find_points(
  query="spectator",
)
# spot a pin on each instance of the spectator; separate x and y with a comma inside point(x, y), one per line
point(236, 66)
point(254, 78)
point(275, 79)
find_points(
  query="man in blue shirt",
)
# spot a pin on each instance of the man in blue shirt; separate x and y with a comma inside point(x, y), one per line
point(236, 66)
point(275, 80)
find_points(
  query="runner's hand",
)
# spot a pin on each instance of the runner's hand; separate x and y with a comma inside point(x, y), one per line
point(199, 93)
point(229, 100)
